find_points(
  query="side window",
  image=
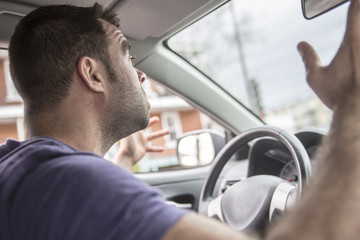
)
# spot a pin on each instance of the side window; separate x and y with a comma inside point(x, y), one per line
point(11, 106)
point(179, 118)
point(11, 94)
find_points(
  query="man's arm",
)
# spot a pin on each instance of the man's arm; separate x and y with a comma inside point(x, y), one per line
point(330, 206)
point(196, 227)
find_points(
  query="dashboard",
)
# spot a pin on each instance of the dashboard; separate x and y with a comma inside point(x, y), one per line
point(269, 156)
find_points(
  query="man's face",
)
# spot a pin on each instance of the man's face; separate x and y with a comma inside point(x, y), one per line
point(128, 108)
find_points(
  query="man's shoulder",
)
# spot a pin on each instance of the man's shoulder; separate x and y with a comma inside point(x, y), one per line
point(47, 168)
point(39, 147)
point(40, 151)
point(42, 160)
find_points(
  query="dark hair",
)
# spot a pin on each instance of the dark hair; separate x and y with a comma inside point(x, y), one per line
point(46, 47)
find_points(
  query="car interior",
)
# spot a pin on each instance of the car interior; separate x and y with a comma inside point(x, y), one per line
point(254, 163)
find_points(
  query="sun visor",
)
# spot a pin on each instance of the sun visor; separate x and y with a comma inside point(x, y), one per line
point(7, 25)
point(10, 15)
point(82, 3)
point(140, 19)
point(12, 12)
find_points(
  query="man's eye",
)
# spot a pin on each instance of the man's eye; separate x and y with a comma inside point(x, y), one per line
point(132, 57)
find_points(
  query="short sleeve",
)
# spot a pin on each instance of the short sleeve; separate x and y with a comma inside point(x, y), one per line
point(90, 198)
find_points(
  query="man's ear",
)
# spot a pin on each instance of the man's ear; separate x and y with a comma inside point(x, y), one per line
point(92, 73)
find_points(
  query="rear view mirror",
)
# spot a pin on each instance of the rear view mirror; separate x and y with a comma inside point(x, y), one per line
point(314, 8)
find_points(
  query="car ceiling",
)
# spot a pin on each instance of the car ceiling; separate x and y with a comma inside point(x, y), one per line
point(144, 22)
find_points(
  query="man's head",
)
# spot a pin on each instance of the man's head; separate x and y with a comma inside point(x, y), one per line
point(46, 46)
point(48, 49)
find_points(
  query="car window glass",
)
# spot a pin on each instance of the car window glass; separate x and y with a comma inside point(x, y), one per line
point(249, 49)
point(11, 105)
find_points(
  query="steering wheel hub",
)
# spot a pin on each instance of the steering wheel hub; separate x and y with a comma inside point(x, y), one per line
point(246, 203)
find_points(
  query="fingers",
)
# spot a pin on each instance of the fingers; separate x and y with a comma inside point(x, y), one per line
point(153, 120)
point(316, 74)
point(352, 36)
point(152, 136)
point(309, 56)
point(154, 149)
point(353, 20)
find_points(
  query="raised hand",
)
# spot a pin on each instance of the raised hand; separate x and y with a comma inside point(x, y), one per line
point(133, 148)
point(331, 82)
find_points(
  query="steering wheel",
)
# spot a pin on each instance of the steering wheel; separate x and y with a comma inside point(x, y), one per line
point(252, 203)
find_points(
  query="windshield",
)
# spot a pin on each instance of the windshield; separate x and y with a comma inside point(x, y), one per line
point(249, 49)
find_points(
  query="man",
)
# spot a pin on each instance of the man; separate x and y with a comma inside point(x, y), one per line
point(81, 93)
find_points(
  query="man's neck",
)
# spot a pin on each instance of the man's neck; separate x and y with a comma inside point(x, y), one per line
point(79, 134)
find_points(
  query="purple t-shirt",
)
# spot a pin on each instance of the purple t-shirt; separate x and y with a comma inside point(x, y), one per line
point(51, 191)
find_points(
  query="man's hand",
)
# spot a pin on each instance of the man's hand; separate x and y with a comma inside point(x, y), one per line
point(330, 83)
point(133, 148)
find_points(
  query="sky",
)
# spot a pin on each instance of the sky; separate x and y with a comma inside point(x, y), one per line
point(281, 67)
point(270, 31)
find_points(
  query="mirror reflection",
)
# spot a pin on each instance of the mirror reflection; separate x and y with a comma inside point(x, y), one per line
point(196, 150)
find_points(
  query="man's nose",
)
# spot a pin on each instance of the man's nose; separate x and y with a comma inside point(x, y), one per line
point(141, 76)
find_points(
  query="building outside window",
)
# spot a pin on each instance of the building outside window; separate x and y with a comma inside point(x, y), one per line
point(172, 122)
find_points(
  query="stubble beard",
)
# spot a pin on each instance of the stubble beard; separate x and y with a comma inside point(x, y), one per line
point(126, 113)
